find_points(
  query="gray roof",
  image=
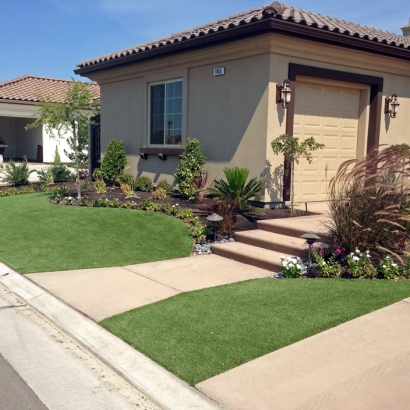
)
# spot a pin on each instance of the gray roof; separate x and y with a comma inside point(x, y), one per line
point(275, 11)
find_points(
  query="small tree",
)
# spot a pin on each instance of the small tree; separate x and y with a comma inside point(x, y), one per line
point(70, 115)
point(294, 150)
point(114, 161)
point(190, 168)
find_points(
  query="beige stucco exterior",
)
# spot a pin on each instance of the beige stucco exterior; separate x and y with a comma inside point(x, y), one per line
point(235, 116)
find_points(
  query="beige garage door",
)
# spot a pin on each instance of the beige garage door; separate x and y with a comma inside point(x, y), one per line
point(330, 114)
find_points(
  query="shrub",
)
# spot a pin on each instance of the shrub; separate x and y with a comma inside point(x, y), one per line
point(57, 158)
point(369, 203)
point(58, 193)
point(113, 161)
point(127, 190)
point(143, 184)
point(17, 174)
point(190, 168)
point(236, 191)
point(200, 183)
point(97, 174)
point(60, 173)
point(125, 179)
point(45, 176)
point(163, 183)
point(159, 193)
point(198, 231)
point(100, 186)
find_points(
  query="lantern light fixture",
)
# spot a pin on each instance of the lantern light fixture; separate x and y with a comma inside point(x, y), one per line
point(311, 238)
point(392, 106)
point(283, 93)
point(214, 219)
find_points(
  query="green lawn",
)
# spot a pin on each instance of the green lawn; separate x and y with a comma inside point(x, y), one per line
point(200, 334)
point(37, 236)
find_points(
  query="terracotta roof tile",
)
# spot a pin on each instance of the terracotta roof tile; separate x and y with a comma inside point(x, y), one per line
point(280, 12)
point(30, 88)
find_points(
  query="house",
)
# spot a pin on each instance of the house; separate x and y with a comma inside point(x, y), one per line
point(221, 83)
point(19, 99)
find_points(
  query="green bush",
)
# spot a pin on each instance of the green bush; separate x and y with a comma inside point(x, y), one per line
point(190, 168)
point(60, 173)
point(163, 183)
point(236, 191)
point(17, 174)
point(113, 161)
point(143, 184)
point(45, 175)
point(125, 179)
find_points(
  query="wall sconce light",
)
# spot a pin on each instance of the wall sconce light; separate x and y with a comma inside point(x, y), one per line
point(392, 106)
point(283, 94)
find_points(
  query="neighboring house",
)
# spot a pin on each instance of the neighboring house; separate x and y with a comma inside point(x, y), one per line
point(218, 83)
point(18, 106)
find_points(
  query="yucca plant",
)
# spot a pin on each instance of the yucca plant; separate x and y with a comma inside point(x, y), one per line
point(235, 190)
point(17, 174)
point(370, 203)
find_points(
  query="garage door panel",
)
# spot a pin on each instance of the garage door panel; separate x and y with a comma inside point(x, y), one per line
point(331, 142)
point(330, 114)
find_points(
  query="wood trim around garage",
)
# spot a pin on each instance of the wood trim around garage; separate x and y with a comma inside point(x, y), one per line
point(376, 97)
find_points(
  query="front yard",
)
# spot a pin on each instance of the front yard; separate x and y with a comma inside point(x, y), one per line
point(38, 236)
point(200, 334)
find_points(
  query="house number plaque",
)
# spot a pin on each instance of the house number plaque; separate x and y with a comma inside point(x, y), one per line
point(219, 71)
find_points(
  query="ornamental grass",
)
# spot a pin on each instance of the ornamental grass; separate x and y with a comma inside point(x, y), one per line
point(369, 203)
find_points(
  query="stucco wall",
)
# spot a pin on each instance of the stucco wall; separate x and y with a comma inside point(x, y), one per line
point(236, 116)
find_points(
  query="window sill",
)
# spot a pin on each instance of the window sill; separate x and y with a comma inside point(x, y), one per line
point(162, 153)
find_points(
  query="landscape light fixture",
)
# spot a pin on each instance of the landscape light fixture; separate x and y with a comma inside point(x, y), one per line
point(311, 238)
point(391, 106)
point(214, 218)
point(283, 93)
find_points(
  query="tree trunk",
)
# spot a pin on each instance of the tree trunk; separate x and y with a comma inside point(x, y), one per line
point(292, 184)
point(76, 163)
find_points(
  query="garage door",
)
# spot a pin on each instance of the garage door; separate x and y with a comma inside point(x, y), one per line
point(330, 114)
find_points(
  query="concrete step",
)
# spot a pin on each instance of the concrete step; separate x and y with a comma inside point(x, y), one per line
point(274, 242)
point(252, 255)
point(296, 227)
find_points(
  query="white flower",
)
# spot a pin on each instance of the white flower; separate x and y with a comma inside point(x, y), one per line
point(384, 266)
point(284, 263)
point(387, 257)
point(299, 266)
point(357, 251)
point(355, 258)
point(394, 264)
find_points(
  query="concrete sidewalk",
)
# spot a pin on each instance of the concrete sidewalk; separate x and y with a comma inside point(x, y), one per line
point(104, 292)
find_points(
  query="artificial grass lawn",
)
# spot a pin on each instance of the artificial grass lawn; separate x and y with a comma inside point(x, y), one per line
point(200, 334)
point(38, 236)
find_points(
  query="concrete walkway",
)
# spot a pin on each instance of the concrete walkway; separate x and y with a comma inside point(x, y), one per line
point(104, 292)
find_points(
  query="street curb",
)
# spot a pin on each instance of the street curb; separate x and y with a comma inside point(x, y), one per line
point(158, 384)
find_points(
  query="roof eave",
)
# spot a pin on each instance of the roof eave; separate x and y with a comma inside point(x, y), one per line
point(11, 101)
point(252, 29)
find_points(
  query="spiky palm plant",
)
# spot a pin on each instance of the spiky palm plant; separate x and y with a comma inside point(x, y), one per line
point(235, 190)
point(17, 174)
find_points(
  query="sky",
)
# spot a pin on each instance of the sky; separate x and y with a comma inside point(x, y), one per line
point(49, 37)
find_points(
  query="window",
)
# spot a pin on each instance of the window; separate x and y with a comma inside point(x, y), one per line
point(166, 113)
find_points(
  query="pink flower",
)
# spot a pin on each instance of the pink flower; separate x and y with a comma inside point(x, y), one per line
point(321, 251)
point(338, 251)
point(311, 245)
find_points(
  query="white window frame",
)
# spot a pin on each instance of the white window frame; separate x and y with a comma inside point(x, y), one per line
point(174, 80)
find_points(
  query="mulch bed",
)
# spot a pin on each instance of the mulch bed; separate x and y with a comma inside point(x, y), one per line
point(201, 210)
